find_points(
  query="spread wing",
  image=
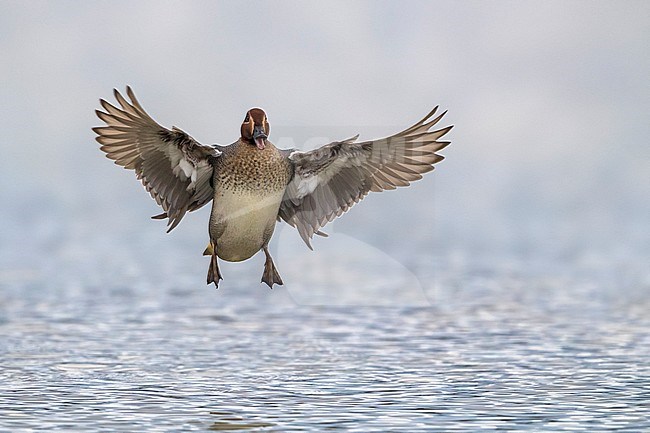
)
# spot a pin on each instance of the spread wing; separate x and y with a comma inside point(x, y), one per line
point(173, 167)
point(327, 181)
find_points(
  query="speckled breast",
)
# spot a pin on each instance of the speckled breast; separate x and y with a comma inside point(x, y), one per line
point(249, 185)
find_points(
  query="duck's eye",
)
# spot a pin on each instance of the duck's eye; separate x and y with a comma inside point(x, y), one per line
point(248, 118)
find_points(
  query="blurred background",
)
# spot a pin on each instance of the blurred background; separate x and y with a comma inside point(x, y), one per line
point(549, 158)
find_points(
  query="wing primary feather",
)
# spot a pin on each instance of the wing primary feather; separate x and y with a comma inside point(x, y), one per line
point(329, 180)
point(135, 141)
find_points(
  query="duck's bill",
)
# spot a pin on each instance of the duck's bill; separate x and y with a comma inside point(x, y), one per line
point(259, 142)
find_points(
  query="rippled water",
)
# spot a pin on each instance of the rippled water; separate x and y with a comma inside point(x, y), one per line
point(131, 340)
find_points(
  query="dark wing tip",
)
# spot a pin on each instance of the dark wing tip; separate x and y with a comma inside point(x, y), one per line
point(130, 93)
point(431, 113)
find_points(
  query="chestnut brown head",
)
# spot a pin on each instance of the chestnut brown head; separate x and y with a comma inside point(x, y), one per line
point(255, 128)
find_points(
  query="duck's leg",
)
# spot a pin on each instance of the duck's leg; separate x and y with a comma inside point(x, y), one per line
point(213, 271)
point(270, 275)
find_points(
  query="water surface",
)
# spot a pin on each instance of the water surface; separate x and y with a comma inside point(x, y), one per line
point(126, 339)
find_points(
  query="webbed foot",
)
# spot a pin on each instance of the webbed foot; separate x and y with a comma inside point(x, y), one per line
point(270, 275)
point(213, 271)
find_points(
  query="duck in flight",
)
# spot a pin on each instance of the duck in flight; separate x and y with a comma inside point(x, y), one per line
point(252, 184)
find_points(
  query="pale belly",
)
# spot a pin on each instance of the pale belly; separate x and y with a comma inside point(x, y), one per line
point(243, 222)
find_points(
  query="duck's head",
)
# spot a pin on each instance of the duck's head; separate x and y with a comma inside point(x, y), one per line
point(255, 128)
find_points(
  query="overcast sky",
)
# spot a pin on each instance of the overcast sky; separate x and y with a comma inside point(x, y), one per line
point(550, 102)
